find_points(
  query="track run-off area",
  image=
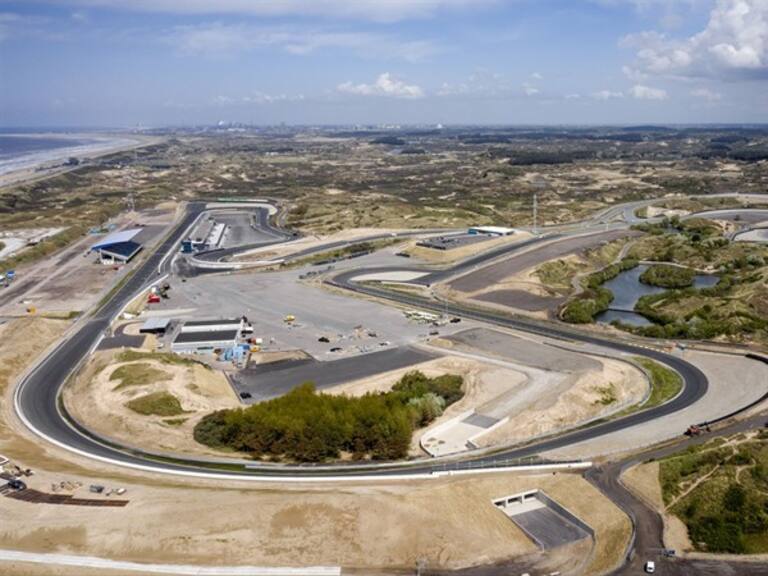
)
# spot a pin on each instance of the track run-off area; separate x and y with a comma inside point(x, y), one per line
point(37, 398)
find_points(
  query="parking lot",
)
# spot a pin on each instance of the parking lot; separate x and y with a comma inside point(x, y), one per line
point(290, 314)
point(453, 241)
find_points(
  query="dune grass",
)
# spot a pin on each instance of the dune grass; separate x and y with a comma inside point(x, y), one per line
point(156, 404)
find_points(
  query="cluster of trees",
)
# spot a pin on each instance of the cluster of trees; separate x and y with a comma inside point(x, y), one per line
point(740, 514)
point(310, 427)
point(693, 229)
point(595, 298)
point(533, 157)
point(667, 276)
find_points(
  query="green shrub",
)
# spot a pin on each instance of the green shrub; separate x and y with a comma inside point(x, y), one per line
point(667, 276)
point(595, 299)
point(310, 427)
point(718, 535)
point(156, 404)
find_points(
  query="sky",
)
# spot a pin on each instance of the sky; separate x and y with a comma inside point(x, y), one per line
point(153, 63)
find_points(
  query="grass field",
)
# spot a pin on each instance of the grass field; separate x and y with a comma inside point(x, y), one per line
point(156, 404)
point(665, 383)
point(163, 357)
point(138, 374)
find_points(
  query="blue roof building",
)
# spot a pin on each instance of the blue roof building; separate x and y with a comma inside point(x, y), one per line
point(118, 246)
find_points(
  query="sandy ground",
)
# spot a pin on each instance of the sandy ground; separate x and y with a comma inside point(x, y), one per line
point(171, 519)
point(30, 338)
point(93, 401)
point(499, 389)
point(482, 383)
point(71, 279)
point(352, 526)
point(573, 401)
point(643, 480)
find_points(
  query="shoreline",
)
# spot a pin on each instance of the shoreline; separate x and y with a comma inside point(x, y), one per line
point(44, 164)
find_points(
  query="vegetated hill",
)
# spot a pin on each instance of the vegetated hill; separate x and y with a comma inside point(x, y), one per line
point(734, 309)
point(726, 509)
point(309, 427)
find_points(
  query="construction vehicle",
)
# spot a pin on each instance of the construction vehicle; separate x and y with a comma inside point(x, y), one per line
point(696, 430)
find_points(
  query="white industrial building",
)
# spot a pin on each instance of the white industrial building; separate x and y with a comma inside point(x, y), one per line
point(213, 325)
point(491, 230)
point(205, 336)
point(204, 342)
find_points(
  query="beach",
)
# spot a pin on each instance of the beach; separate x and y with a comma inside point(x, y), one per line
point(29, 156)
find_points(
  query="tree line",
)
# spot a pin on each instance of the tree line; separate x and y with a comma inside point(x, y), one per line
point(308, 426)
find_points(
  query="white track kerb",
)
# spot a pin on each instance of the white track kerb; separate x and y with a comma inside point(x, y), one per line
point(92, 562)
point(248, 477)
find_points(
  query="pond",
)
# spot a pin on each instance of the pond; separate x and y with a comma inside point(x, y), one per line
point(627, 290)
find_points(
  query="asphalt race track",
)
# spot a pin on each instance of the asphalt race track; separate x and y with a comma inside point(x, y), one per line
point(37, 397)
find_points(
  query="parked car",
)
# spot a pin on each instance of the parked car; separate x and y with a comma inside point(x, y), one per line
point(650, 567)
point(246, 395)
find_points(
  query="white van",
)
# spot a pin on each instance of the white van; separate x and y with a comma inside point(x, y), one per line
point(650, 567)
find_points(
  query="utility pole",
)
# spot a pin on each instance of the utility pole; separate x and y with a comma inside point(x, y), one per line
point(535, 210)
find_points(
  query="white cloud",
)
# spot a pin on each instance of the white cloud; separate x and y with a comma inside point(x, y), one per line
point(376, 10)
point(481, 83)
point(734, 44)
point(8, 21)
point(641, 92)
point(256, 97)
point(529, 89)
point(537, 76)
point(607, 95)
point(217, 39)
point(706, 94)
point(385, 85)
point(573, 96)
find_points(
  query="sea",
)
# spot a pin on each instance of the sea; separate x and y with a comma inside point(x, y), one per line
point(28, 150)
point(13, 146)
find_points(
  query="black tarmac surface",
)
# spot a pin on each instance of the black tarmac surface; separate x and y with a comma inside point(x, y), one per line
point(265, 382)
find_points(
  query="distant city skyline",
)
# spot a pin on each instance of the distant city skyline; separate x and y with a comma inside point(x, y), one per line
point(516, 62)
